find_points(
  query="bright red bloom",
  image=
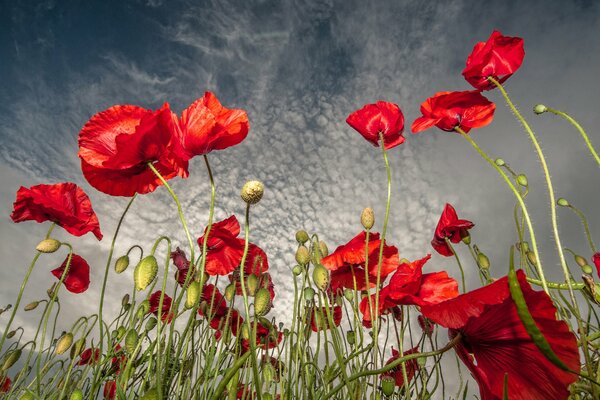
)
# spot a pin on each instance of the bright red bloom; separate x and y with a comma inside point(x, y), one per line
point(165, 314)
point(182, 264)
point(89, 356)
point(224, 249)
point(319, 320)
point(212, 303)
point(206, 126)
point(116, 145)
point(78, 275)
point(347, 262)
point(66, 204)
point(596, 261)
point(494, 341)
point(379, 118)
point(110, 390)
point(450, 110)
point(450, 227)
point(411, 366)
point(499, 58)
point(5, 384)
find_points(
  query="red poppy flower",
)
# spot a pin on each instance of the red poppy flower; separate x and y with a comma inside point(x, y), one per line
point(596, 261)
point(450, 227)
point(66, 204)
point(494, 341)
point(166, 314)
point(89, 356)
point(411, 366)
point(347, 262)
point(234, 323)
point(119, 361)
point(78, 275)
point(182, 264)
point(379, 118)
point(319, 320)
point(450, 110)
point(499, 58)
point(110, 390)
point(224, 249)
point(5, 384)
point(116, 145)
point(267, 336)
point(212, 303)
point(206, 125)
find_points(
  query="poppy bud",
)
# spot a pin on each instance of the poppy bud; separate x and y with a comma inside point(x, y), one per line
point(540, 109)
point(121, 264)
point(230, 292)
point(499, 162)
point(297, 270)
point(323, 249)
point(151, 394)
point(388, 385)
point(76, 395)
point(466, 239)
point(48, 246)
point(483, 261)
point(268, 372)
point(349, 294)
point(11, 334)
point(10, 359)
point(522, 180)
point(321, 277)
point(150, 324)
point(563, 202)
point(262, 302)
point(64, 343)
point(523, 246)
point(121, 332)
point(131, 341)
point(532, 258)
point(125, 300)
point(77, 348)
point(302, 236)
point(252, 192)
point(367, 218)
point(421, 361)
point(587, 269)
point(51, 292)
point(192, 294)
point(302, 255)
point(351, 337)
point(245, 332)
point(309, 294)
point(145, 272)
point(143, 309)
point(27, 396)
point(252, 284)
point(580, 261)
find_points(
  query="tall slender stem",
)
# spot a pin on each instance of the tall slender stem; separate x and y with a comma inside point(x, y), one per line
point(580, 129)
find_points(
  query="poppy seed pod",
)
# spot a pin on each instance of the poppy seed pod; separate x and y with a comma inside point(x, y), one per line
point(64, 343)
point(302, 255)
point(388, 385)
point(540, 109)
point(121, 264)
point(31, 306)
point(262, 302)
point(131, 341)
point(48, 246)
point(252, 192)
point(10, 359)
point(76, 395)
point(192, 294)
point(321, 277)
point(367, 218)
point(302, 236)
point(145, 272)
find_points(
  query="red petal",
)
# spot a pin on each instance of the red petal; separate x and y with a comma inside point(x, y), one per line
point(77, 279)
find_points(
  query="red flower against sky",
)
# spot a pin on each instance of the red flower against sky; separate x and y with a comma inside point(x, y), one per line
point(596, 261)
point(494, 341)
point(78, 275)
point(381, 117)
point(347, 262)
point(449, 110)
point(319, 320)
point(182, 264)
point(89, 356)
point(166, 314)
point(499, 57)
point(66, 204)
point(450, 227)
point(116, 145)
point(224, 249)
point(411, 366)
point(206, 125)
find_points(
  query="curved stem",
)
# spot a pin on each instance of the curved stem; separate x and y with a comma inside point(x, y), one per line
point(558, 286)
point(580, 129)
point(586, 227)
point(462, 272)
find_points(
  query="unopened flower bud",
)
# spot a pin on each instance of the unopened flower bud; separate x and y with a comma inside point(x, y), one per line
point(143, 309)
point(64, 343)
point(192, 294)
point(268, 372)
point(76, 395)
point(302, 236)
point(351, 337)
point(150, 324)
point(77, 348)
point(522, 180)
point(563, 202)
point(309, 294)
point(262, 302)
point(121, 264)
point(540, 109)
point(465, 237)
point(388, 385)
point(499, 162)
point(31, 306)
point(121, 333)
point(349, 294)
point(125, 300)
point(587, 269)
point(321, 277)
point(48, 246)
point(302, 255)
point(324, 251)
point(252, 281)
point(483, 261)
point(580, 260)
point(145, 272)
point(51, 292)
point(131, 341)
point(252, 192)
point(532, 258)
point(10, 359)
point(11, 334)
point(367, 218)
point(297, 270)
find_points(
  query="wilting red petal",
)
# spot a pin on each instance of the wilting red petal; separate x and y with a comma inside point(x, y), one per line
point(450, 227)
point(166, 314)
point(182, 264)
point(382, 117)
point(66, 204)
point(319, 320)
point(411, 366)
point(89, 356)
point(494, 337)
point(78, 275)
point(499, 58)
point(450, 110)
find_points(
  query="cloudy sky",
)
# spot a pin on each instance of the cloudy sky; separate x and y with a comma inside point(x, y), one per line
point(298, 68)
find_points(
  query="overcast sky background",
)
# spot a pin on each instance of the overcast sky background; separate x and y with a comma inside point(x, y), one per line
point(298, 68)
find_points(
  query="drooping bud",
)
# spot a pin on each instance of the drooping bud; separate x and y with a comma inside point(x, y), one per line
point(499, 162)
point(323, 249)
point(31, 306)
point(349, 294)
point(252, 281)
point(302, 236)
point(10, 359)
point(131, 341)
point(252, 192)
point(77, 348)
point(64, 343)
point(302, 255)
point(121, 264)
point(351, 337)
point(262, 302)
point(532, 258)
point(540, 109)
point(121, 333)
point(11, 334)
point(388, 385)
point(151, 394)
point(268, 372)
point(483, 261)
point(51, 292)
point(563, 202)
point(367, 218)
point(143, 309)
point(48, 246)
point(309, 294)
point(230, 292)
point(580, 261)
point(192, 294)
point(321, 277)
point(145, 272)
point(125, 300)
point(76, 395)
point(297, 270)
point(587, 269)
point(522, 180)
point(150, 324)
